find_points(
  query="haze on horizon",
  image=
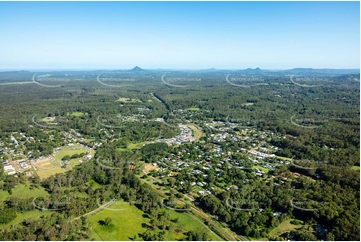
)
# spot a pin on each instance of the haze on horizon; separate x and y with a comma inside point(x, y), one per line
point(179, 35)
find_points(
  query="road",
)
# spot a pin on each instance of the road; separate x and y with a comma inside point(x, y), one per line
point(98, 209)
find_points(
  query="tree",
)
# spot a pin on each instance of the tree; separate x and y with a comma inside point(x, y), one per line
point(67, 157)
point(107, 221)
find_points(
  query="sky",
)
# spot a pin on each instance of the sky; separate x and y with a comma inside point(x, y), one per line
point(179, 35)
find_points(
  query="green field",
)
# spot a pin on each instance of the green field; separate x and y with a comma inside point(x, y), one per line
point(188, 222)
point(93, 184)
point(132, 146)
point(34, 214)
point(75, 114)
point(355, 168)
point(262, 168)
point(126, 222)
point(52, 167)
point(192, 109)
point(136, 145)
point(23, 191)
point(67, 150)
point(195, 131)
point(49, 120)
point(284, 227)
point(283, 158)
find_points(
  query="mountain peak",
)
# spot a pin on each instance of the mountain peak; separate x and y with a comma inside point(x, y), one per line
point(137, 68)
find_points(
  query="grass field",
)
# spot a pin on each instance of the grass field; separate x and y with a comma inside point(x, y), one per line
point(93, 184)
point(197, 133)
point(75, 114)
point(128, 100)
point(356, 168)
point(188, 222)
point(126, 222)
point(132, 146)
point(66, 150)
point(49, 120)
point(34, 214)
point(136, 145)
point(48, 168)
point(192, 109)
point(23, 191)
point(283, 158)
point(53, 166)
point(262, 168)
point(284, 227)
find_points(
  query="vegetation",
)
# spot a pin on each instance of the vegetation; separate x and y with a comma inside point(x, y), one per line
point(268, 161)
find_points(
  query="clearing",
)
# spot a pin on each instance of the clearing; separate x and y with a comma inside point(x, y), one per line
point(126, 222)
point(284, 227)
point(128, 100)
point(52, 166)
point(192, 109)
point(196, 131)
point(75, 114)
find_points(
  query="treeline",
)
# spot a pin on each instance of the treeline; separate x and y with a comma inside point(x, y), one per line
point(52, 227)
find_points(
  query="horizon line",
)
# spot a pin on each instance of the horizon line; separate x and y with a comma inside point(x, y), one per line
point(176, 69)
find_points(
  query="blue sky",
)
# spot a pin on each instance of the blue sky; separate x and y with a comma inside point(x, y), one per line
point(181, 35)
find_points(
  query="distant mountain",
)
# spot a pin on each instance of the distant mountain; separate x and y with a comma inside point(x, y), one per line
point(137, 69)
point(10, 76)
point(322, 71)
point(253, 71)
point(208, 70)
point(15, 72)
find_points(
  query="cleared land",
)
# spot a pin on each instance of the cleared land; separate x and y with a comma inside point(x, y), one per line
point(15, 83)
point(133, 146)
point(75, 114)
point(128, 100)
point(48, 119)
point(126, 222)
point(149, 167)
point(262, 168)
point(247, 104)
point(34, 215)
point(356, 168)
point(23, 191)
point(284, 227)
point(192, 109)
point(48, 167)
point(197, 132)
